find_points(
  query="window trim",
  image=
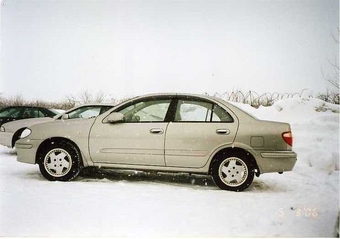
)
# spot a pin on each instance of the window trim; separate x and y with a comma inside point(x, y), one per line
point(170, 115)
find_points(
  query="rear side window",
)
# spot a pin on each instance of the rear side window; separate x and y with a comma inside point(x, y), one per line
point(193, 111)
point(10, 112)
point(220, 115)
point(200, 111)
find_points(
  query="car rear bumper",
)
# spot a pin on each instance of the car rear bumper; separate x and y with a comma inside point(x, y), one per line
point(277, 161)
point(26, 150)
point(6, 139)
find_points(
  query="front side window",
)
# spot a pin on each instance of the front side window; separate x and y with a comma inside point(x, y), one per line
point(41, 114)
point(146, 111)
point(29, 113)
point(103, 109)
point(200, 111)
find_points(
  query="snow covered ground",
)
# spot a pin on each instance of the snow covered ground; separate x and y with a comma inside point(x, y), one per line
point(301, 203)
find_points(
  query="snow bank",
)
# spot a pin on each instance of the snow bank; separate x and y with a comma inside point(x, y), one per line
point(315, 127)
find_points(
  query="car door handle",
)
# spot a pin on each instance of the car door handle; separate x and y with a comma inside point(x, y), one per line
point(223, 131)
point(156, 131)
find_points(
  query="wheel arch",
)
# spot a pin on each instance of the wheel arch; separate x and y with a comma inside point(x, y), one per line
point(229, 150)
point(16, 135)
point(57, 139)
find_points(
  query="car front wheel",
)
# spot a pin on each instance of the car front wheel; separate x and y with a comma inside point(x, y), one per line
point(59, 161)
point(233, 172)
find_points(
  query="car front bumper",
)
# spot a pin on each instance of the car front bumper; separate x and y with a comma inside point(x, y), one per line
point(6, 139)
point(27, 150)
point(276, 161)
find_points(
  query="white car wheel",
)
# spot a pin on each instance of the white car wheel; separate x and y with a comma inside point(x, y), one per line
point(59, 160)
point(233, 171)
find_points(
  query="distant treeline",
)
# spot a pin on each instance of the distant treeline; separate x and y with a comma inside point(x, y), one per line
point(69, 102)
point(267, 99)
point(250, 97)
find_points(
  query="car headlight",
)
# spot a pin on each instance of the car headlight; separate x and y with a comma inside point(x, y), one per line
point(25, 133)
point(2, 129)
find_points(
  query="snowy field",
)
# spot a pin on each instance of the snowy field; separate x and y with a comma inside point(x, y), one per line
point(301, 203)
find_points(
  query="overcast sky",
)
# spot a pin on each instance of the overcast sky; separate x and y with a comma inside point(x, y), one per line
point(51, 49)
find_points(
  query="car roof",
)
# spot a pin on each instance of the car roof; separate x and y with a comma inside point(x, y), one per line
point(215, 99)
point(29, 106)
point(189, 96)
point(172, 94)
point(21, 106)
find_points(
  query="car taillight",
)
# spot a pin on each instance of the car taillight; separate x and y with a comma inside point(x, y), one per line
point(288, 138)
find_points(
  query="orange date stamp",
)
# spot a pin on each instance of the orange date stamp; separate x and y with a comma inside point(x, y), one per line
point(308, 212)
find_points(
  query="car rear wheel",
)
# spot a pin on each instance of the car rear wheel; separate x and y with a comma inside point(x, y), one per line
point(60, 161)
point(233, 172)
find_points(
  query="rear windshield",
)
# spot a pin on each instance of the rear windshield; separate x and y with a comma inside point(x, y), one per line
point(242, 107)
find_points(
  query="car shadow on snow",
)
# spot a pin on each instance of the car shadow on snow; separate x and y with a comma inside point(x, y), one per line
point(177, 179)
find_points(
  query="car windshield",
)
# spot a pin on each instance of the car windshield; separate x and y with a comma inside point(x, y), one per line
point(86, 112)
point(10, 112)
point(56, 112)
point(58, 116)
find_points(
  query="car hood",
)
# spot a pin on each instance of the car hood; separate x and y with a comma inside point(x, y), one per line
point(70, 128)
point(13, 126)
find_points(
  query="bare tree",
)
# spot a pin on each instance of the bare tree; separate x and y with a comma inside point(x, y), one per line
point(333, 78)
point(15, 100)
point(332, 96)
point(86, 97)
point(99, 97)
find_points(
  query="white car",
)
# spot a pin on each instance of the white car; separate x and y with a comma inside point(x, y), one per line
point(10, 132)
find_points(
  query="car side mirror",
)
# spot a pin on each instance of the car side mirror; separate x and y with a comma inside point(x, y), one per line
point(65, 116)
point(115, 117)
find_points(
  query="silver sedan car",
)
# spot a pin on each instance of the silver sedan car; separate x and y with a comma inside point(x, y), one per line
point(163, 132)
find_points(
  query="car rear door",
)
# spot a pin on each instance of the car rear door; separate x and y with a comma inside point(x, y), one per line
point(199, 127)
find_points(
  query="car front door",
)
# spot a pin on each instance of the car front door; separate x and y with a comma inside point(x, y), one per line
point(199, 127)
point(138, 140)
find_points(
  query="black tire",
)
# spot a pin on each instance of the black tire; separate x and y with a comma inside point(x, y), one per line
point(59, 161)
point(233, 171)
